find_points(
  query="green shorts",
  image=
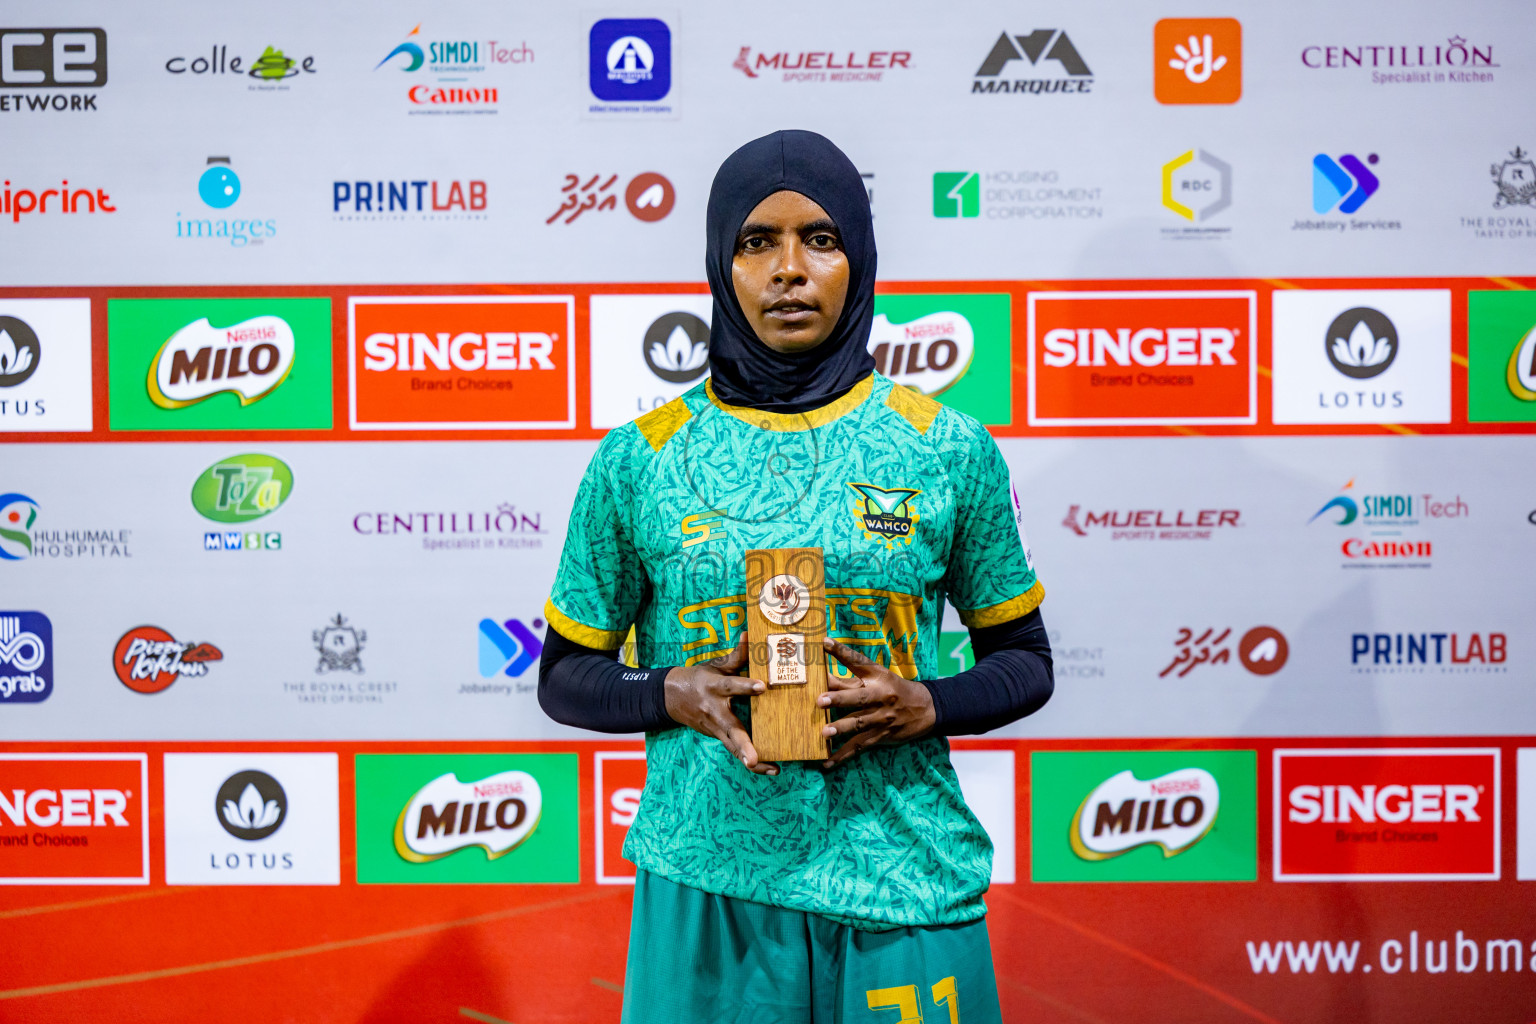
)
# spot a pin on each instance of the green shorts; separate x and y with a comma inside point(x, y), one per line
point(704, 959)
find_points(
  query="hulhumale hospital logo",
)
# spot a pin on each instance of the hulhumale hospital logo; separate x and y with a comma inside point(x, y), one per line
point(218, 188)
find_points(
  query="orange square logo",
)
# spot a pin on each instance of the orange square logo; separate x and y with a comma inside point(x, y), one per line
point(1197, 60)
point(461, 362)
point(74, 819)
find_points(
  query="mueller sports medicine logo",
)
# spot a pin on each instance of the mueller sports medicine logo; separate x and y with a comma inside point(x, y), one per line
point(1453, 62)
point(1386, 815)
point(1043, 49)
point(1173, 812)
point(248, 359)
point(26, 657)
point(74, 819)
point(1152, 523)
point(147, 659)
point(69, 59)
point(1197, 60)
point(444, 816)
point(821, 65)
point(461, 362)
point(406, 199)
point(1416, 653)
point(1125, 358)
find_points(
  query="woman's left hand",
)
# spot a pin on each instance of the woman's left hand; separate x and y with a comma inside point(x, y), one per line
point(890, 709)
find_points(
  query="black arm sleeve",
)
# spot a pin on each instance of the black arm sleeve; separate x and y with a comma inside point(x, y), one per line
point(591, 689)
point(1012, 678)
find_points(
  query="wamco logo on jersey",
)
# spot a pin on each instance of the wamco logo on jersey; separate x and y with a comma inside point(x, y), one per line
point(271, 70)
point(1386, 815)
point(461, 362)
point(26, 657)
point(74, 819)
point(67, 59)
point(821, 65)
point(1152, 523)
point(409, 200)
point(1042, 49)
point(147, 659)
point(241, 489)
point(1384, 517)
point(1164, 816)
point(1126, 358)
point(451, 62)
point(1412, 653)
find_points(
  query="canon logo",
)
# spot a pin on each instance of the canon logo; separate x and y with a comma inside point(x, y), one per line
point(524, 350)
point(1392, 803)
point(1149, 346)
point(71, 808)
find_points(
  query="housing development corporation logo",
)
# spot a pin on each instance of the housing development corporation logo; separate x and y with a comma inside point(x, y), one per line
point(821, 65)
point(74, 819)
point(1386, 814)
point(26, 657)
point(268, 69)
point(452, 63)
point(956, 194)
point(1501, 356)
point(68, 60)
point(508, 648)
point(629, 66)
point(1197, 60)
point(147, 659)
point(1164, 816)
point(1038, 194)
point(1044, 50)
point(219, 188)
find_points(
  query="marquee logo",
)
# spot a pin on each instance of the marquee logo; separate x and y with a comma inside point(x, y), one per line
point(1043, 44)
point(26, 657)
point(496, 814)
point(1197, 60)
point(1125, 358)
point(147, 659)
point(74, 819)
point(248, 359)
point(1172, 812)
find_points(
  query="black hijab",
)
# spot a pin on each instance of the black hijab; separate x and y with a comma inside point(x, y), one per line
point(743, 370)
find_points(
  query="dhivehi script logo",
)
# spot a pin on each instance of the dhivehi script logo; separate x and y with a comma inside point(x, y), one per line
point(1173, 811)
point(249, 359)
point(446, 815)
point(929, 353)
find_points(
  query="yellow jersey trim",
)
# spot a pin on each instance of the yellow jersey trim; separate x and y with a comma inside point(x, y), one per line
point(658, 425)
point(1007, 611)
point(807, 420)
point(587, 636)
point(914, 407)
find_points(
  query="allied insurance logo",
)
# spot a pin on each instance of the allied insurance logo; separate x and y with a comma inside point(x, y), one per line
point(461, 362)
point(1386, 814)
point(74, 819)
point(629, 66)
point(1197, 60)
point(1141, 358)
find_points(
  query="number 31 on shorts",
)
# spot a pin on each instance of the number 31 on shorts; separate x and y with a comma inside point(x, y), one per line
point(904, 998)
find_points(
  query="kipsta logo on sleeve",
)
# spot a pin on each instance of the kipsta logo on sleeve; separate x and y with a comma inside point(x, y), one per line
point(1197, 60)
point(1044, 49)
point(630, 65)
point(68, 59)
point(147, 659)
point(26, 657)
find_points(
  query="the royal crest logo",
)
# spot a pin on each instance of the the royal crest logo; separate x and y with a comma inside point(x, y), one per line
point(886, 513)
point(340, 646)
point(148, 659)
point(446, 815)
point(248, 359)
point(1173, 811)
point(1515, 179)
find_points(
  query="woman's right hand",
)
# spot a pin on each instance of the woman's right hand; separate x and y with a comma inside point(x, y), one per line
point(699, 696)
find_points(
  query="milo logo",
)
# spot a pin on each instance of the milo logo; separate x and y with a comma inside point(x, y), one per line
point(446, 815)
point(249, 359)
point(1172, 811)
point(242, 488)
point(929, 353)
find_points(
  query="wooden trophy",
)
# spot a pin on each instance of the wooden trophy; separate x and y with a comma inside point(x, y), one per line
point(786, 620)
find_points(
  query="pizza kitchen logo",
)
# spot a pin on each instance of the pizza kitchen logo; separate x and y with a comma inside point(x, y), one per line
point(886, 514)
point(1172, 812)
point(496, 814)
point(821, 65)
point(147, 659)
point(1151, 524)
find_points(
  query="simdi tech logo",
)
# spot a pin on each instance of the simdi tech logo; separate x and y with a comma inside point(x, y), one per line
point(1197, 60)
point(1129, 358)
point(1386, 814)
point(1501, 356)
point(65, 61)
point(219, 364)
point(1380, 356)
point(461, 362)
point(436, 818)
point(451, 62)
point(1385, 527)
point(238, 490)
point(26, 657)
point(45, 365)
point(1144, 816)
point(74, 819)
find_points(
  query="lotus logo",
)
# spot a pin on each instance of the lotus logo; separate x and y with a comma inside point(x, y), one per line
point(676, 347)
point(1361, 343)
point(251, 805)
point(930, 353)
point(496, 814)
point(19, 351)
point(1173, 811)
point(249, 359)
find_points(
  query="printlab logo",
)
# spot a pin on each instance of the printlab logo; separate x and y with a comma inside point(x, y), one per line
point(956, 194)
point(219, 189)
point(1152, 523)
point(1501, 351)
point(630, 65)
point(1197, 60)
point(886, 513)
point(340, 645)
point(676, 347)
point(147, 659)
point(52, 58)
point(509, 648)
point(270, 71)
point(1197, 185)
point(241, 489)
point(409, 200)
point(1374, 653)
point(26, 657)
point(648, 196)
point(822, 66)
point(251, 805)
point(1263, 650)
point(1048, 45)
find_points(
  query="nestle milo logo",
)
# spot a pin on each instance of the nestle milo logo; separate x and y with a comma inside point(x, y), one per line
point(1173, 812)
point(242, 488)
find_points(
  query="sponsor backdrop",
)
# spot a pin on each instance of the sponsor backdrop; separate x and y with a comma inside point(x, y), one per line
point(310, 319)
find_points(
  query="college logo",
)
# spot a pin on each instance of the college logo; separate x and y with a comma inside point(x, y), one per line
point(885, 514)
point(241, 489)
point(1262, 650)
point(271, 69)
point(1386, 815)
point(1197, 185)
point(629, 60)
point(340, 646)
point(1164, 816)
point(219, 189)
point(1152, 523)
point(1197, 60)
point(822, 66)
point(1501, 356)
point(26, 657)
point(1049, 45)
point(509, 648)
point(252, 819)
point(619, 779)
point(52, 58)
point(1128, 358)
point(467, 818)
point(648, 196)
point(45, 364)
point(77, 200)
point(147, 659)
point(461, 362)
point(388, 200)
point(1362, 356)
point(1345, 183)
point(74, 819)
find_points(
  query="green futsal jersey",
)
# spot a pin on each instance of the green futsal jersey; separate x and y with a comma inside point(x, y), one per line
point(912, 505)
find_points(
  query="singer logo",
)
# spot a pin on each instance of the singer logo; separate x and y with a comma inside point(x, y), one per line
point(1172, 812)
point(1139, 358)
point(199, 361)
point(446, 815)
point(462, 362)
point(1386, 815)
point(74, 819)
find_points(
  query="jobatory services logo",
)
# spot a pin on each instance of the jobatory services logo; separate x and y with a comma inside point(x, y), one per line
point(629, 67)
point(219, 364)
point(45, 365)
point(268, 69)
point(1152, 523)
point(1342, 186)
point(147, 659)
point(452, 63)
point(821, 65)
point(1197, 186)
point(59, 63)
point(1128, 358)
point(1386, 814)
point(1147, 816)
point(252, 819)
point(1385, 526)
point(1452, 63)
point(1362, 356)
point(434, 818)
point(503, 528)
point(1501, 356)
point(404, 199)
point(26, 657)
point(649, 196)
point(1262, 650)
point(1461, 652)
point(74, 819)
point(219, 188)
point(618, 780)
point(18, 201)
point(461, 362)
point(22, 536)
point(1197, 60)
point(508, 648)
point(242, 489)
point(1049, 52)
